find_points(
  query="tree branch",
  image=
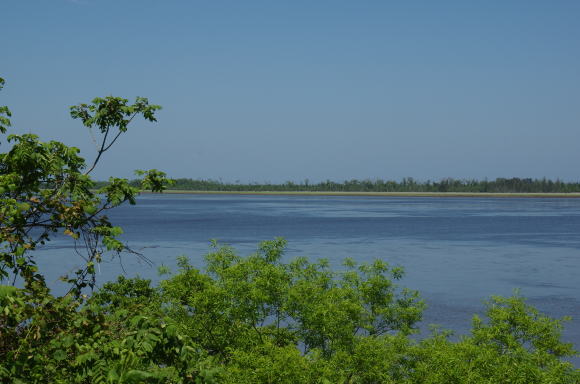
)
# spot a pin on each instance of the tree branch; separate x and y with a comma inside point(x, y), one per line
point(100, 153)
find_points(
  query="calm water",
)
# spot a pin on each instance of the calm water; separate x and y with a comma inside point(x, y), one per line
point(456, 251)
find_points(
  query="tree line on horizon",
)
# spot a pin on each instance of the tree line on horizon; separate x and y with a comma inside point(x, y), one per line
point(408, 184)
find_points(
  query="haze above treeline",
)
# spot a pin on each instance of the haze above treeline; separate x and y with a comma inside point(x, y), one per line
point(408, 184)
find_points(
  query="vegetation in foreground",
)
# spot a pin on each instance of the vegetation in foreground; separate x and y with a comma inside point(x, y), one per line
point(240, 320)
point(259, 320)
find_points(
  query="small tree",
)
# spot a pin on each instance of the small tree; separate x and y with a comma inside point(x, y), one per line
point(45, 187)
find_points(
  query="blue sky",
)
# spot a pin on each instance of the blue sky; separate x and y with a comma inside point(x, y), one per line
point(288, 90)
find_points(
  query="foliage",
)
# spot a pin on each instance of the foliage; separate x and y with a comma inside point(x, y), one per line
point(111, 115)
point(257, 319)
point(516, 345)
point(254, 319)
point(45, 187)
point(46, 339)
point(241, 302)
point(4, 113)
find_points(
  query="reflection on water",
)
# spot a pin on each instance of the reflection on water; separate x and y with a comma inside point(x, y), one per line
point(456, 251)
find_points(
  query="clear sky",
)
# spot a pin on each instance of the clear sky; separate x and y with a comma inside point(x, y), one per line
point(287, 90)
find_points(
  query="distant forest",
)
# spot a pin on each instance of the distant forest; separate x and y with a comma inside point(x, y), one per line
point(408, 184)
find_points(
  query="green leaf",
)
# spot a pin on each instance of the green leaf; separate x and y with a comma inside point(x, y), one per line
point(59, 355)
point(136, 376)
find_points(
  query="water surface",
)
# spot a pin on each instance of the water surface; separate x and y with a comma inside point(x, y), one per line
point(456, 251)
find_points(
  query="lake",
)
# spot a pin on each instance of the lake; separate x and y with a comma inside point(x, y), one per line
point(456, 251)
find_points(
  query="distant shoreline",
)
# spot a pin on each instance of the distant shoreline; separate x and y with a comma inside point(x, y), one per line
point(379, 194)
